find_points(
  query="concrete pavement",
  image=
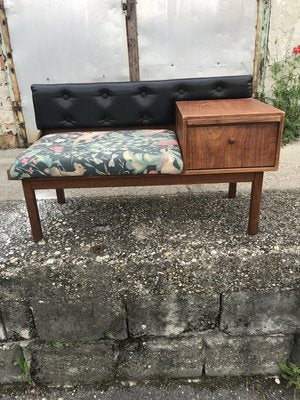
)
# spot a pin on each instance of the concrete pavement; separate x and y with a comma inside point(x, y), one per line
point(208, 389)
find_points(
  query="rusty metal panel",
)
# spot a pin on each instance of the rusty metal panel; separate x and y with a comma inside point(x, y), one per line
point(188, 38)
point(65, 41)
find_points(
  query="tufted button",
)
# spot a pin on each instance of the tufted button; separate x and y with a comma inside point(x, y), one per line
point(106, 119)
point(181, 91)
point(69, 119)
point(219, 89)
point(143, 94)
point(145, 116)
point(104, 95)
point(66, 96)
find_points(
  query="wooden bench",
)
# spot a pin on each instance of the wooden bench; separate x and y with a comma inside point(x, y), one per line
point(122, 134)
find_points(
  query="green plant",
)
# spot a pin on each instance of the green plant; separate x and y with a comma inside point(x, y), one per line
point(286, 92)
point(58, 345)
point(25, 375)
point(291, 373)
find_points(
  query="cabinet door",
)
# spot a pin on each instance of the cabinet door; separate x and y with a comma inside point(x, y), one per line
point(232, 146)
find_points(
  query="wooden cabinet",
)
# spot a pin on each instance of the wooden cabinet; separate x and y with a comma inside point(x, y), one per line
point(221, 136)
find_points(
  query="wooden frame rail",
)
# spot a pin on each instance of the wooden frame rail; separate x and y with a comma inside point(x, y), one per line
point(61, 183)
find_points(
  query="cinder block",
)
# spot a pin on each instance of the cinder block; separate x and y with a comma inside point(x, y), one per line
point(9, 369)
point(180, 357)
point(171, 315)
point(16, 319)
point(295, 357)
point(82, 320)
point(70, 364)
point(255, 313)
point(248, 355)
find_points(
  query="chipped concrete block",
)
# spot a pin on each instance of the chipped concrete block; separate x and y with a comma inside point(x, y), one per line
point(295, 356)
point(255, 313)
point(16, 319)
point(252, 355)
point(173, 314)
point(63, 320)
point(9, 369)
point(181, 357)
point(71, 364)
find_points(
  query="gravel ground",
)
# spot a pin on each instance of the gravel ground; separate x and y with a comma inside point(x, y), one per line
point(208, 389)
point(186, 243)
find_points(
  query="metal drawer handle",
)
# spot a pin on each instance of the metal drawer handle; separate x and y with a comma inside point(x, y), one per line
point(231, 141)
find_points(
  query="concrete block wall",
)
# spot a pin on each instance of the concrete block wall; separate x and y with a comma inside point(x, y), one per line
point(137, 338)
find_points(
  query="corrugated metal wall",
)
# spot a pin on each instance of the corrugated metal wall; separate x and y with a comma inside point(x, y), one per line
point(186, 38)
point(65, 41)
point(85, 41)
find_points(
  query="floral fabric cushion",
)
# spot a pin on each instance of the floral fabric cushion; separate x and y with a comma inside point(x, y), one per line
point(100, 153)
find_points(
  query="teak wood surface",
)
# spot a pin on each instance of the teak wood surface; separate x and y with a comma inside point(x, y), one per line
point(232, 145)
point(222, 141)
point(225, 110)
point(229, 135)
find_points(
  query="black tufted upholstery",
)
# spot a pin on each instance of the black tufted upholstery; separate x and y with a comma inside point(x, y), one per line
point(92, 105)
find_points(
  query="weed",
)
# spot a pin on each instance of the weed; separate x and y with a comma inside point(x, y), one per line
point(285, 93)
point(25, 375)
point(58, 345)
point(291, 373)
point(109, 335)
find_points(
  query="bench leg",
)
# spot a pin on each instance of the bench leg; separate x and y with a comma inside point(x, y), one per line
point(255, 203)
point(60, 194)
point(32, 210)
point(232, 190)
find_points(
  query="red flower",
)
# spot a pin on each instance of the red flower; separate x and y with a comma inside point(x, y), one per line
point(296, 50)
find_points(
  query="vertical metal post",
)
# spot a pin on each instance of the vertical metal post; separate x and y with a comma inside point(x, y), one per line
point(11, 77)
point(261, 46)
point(129, 6)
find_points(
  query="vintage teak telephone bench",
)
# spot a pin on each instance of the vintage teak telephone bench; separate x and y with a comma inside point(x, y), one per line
point(183, 131)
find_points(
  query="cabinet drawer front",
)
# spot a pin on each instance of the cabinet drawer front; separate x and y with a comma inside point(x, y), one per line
point(232, 146)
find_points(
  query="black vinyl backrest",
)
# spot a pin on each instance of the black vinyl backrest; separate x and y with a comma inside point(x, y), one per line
point(94, 105)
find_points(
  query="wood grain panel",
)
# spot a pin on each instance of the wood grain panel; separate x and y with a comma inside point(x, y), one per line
point(136, 180)
point(132, 41)
point(232, 146)
point(227, 109)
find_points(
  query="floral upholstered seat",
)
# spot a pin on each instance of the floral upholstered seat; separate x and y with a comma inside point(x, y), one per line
point(100, 153)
